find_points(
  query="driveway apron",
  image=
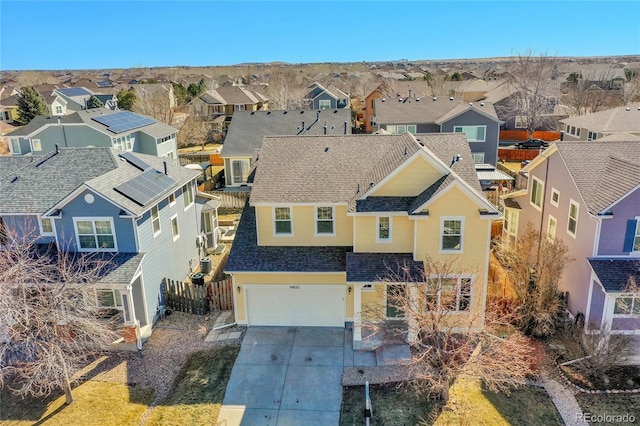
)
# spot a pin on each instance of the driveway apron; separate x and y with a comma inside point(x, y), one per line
point(286, 376)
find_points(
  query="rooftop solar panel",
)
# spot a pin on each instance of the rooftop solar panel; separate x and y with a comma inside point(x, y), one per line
point(134, 160)
point(146, 187)
point(104, 84)
point(123, 121)
point(75, 91)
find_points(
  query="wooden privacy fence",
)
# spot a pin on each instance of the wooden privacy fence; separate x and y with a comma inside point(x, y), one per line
point(523, 135)
point(198, 299)
point(517, 154)
point(232, 200)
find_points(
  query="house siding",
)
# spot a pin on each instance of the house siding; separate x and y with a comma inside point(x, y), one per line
point(367, 233)
point(612, 231)
point(165, 258)
point(473, 118)
point(410, 181)
point(598, 298)
point(325, 96)
point(25, 226)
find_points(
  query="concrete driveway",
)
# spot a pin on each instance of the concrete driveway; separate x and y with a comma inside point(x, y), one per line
point(287, 376)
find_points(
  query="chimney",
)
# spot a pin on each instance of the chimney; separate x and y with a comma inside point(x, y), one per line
point(302, 126)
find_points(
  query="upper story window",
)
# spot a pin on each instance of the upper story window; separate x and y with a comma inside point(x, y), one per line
point(165, 139)
point(36, 144)
point(537, 191)
point(123, 143)
point(449, 294)
point(15, 146)
point(574, 131)
point(324, 104)
point(239, 171)
point(451, 230)
point(324, 221)
point(592, 136)
point(155, 220)
point(399, 129)
point(282, 221)
point(521, 122)
point(572, 223)
point(218, 109)
point(239, 107)
point(632, 236)
point(58, 109)
point(175, 230)
point(187, 193)
point(478, 157)
point(555, 197)
point(551, 228)
point(384, 229)
point(474, 133)
point(46, 225)
point(510, 228)
point(95, 234)
point(172, 199)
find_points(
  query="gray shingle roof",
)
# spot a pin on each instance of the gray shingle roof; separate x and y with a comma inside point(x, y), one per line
point(603, 171)
point(610, 120)
point(121, 268)
point(246, 255)
point(384, 204)
point(377, 267)
point(248, 128)
point(614, 274)
point(426, 110)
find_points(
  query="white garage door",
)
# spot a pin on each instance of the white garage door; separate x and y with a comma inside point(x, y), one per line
point(296, 305)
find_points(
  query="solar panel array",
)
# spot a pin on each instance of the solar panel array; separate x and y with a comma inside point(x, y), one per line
point(104, 84)
point(146, 187)
point(123, 121)
point(75, 91)
point(132, 159)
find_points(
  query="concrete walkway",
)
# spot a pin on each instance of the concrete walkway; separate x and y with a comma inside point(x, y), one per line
point(564, 400)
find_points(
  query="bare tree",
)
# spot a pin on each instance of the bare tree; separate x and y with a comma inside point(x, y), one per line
point(631, 89)
point(50, 323)
point(534, 265)
point(285, 90)
point(195, 130)
point(583, 97)
point(437, 317)
point(154, 103)
point(531, 78)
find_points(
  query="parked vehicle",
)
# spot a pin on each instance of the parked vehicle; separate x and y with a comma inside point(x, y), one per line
point(532, 143)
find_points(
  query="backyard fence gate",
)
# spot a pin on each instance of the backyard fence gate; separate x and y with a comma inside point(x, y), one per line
point(186, 297)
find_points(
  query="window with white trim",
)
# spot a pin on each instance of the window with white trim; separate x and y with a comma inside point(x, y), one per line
point(399, 129)
point(474, 133)
point(155, 220)
point(451, 230)
point(395, 295)
point(95, 234)
point(592, 136)
point(187, 194)
point(46, 225)
point(521, 122)
point(282, 221)
point(15, 146)
point(324, 221)
point(58, 110)
point(109, 298)
point(239, 171)
point(636, 240)
point(324, 104)
point(239, 107)
point(478, 157)
point(175, 231)
point(537, 191)
point(172, 199)
point(572, 223)
point(551, 228)
point(627, 305)
point(36, 144)
point(511, 224)
point(384, 229)
point(555, 197)
point(449, 294)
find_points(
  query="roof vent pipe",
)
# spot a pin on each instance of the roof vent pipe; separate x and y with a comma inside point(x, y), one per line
point(164, 165)
point(345, 127)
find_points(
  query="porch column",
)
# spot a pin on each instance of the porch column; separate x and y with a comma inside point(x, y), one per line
point(357, 312)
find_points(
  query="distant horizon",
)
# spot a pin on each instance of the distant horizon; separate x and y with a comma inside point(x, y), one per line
point(94, 35)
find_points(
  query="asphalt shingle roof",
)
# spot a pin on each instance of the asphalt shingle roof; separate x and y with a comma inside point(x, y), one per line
point(426, 110)
point(121, 267)
point(615, 274)
point(248, 128)
point(377, 267)
point(247, 255)
point(610, 120)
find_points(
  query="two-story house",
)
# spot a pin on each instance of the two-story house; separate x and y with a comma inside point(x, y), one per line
point(588, 195)
point(318, 96)
point(219, 105)
point(330, 216)
point(478, 121)
point(136, 211)
point(245, 136)
point(64, 101)
point(99, 127)
point(623, 122)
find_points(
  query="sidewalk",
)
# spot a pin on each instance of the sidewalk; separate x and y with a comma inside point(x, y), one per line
point(564, 400)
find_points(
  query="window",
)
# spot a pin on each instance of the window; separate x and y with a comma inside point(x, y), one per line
point(175, 231)
point(170, 155)
point(399, 129)
point(95, 234)
point(395, 294)
point(155, 220)
point(324, 220)
point(636, 240)
point(511, 224)
point(572, 224)
point(555, 197)
point(218, 109)
point(172, 199)
point(239, 107)
point(240, 171)
point(187, 193)
point(592, 136)
point(109, 299)
point(451, 232)
point(165, 139)
point(474, 133)
point(627, 305)
point(282, 218)
point(449, 293)
point(537, 188)
point(384, 229)
point(58, 110)
point(632, 236)
point(46, 225)
point(36, 145)
point(15, 146)
point(521, 122)
point(478, 157)
point(551, 228)
point(324, 104)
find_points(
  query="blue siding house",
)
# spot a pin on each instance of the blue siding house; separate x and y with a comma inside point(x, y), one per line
point(138, 211)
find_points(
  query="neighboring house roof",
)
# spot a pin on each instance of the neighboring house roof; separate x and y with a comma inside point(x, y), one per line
point(414, 111)
point(372, 267)
point(315, 89)
point(42, 182)
point(247, 255)
point(248, 128)
point(232, 95)
point(155, 129)
point(602, 171)
point(621, 119)
point(602, 72)
point(616, 274)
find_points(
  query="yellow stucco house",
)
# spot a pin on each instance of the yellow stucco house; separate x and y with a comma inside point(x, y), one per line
point(330, 216)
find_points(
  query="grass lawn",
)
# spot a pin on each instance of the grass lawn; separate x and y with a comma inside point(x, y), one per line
point(197, 392)
point(95, 403)
point(610, 404)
